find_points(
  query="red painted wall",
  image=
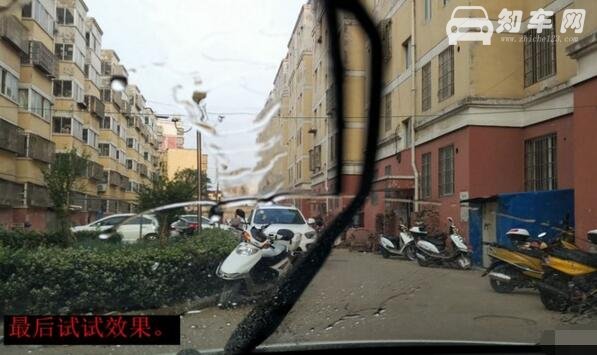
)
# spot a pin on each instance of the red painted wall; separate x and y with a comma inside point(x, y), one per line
point(585, 160)
point(447, 206)
point(565, 161)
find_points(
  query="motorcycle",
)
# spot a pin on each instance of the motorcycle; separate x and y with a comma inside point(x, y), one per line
point(570, 278)
point(433, 250)
point(403, 245)
point(519, 266)
point(259, 259)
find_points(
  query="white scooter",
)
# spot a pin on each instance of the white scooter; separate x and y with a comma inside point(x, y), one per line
point(432, 250)
point(259, 259)
point(403, 245)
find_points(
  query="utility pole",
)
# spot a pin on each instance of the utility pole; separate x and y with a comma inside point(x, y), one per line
point(198, 97)
point(199, 189)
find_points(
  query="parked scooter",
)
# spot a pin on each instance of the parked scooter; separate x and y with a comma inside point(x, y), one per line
point(402, 245)
point(259, 259)
point(433, 249)
point(520, 266)
point(570, 278)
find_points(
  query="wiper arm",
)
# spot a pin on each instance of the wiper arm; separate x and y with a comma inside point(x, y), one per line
point(270, 311)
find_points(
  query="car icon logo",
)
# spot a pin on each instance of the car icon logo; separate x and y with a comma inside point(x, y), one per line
point(463, 27)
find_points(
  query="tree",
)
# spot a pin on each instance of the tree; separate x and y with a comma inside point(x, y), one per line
point(61, 180)
point(163, 191)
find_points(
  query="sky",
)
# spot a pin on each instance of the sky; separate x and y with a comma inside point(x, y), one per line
point(229, 48)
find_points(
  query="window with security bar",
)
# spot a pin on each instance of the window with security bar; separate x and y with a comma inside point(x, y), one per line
point(446, 171)
point(540, 163)
point(539, 55)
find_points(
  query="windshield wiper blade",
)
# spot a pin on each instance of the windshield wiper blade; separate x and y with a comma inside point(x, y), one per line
point(270, 311)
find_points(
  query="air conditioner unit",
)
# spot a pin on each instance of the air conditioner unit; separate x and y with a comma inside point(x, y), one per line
point(102, 187)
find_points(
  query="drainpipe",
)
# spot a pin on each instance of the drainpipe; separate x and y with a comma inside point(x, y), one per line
point(414, 107)
point(327, 164)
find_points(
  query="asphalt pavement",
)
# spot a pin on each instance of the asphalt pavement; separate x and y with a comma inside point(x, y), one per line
point(361, 296)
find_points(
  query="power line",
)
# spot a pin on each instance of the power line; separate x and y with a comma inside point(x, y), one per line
point(314, 117)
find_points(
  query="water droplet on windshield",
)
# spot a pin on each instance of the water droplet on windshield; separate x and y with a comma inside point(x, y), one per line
point(118, 83)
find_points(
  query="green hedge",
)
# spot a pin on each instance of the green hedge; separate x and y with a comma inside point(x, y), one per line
point(112, 276)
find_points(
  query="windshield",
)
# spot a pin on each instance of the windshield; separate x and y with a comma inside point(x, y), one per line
point(278, 216)
point(335, 122)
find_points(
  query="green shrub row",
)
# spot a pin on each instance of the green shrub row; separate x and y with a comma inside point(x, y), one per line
point(111, 276)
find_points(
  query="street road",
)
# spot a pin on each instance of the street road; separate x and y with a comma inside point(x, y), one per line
point(361, 296)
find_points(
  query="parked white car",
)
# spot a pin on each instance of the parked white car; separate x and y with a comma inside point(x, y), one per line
point(283, 217)
point(146, 226)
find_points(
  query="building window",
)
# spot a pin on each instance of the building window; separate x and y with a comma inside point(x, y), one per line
point(90, 137)
point(426, 175)
point(63, 88)
point(38, 104)
point(106, 68)
point(427, 10)
point(9, 85)
point(63, 51)
point(446, 73)
point(426, 87)
point(387, 170)
point(373, 198)
point(446, 171)
point(146, 155)
point(406, 49)
point(387, 119)
point(64, 16)
point(104, 149)
point(35, 10)
point(106, 95)
point(408, 137)
point(299, 169)
point(539, 55)
point(386, 38)
point(105, 123)
point(540, 163)
point(129, 164)
point(61, 125)
point(333, 149)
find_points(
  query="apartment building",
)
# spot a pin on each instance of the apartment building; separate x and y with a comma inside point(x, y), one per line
point(56, 95)
point(487, 119)
point(322, 153)
point(27, 67)
point(460, 123)
point(273, 139)
point(171, 132)
point(304, 91)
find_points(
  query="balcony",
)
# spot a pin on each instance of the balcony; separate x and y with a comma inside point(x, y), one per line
point(11, 138)
point(11, 194)
point(330, 100)
point(40, 57)
point(142, 170)
point(38, 196)
point(37, 148)
point(13, 31)
point(95, 171)
point(117, 99)
point(126, 109)
point(94, 203)
point(119, 70)
point(78, 200)
point(114, 178)
point(124, 181)
point(96, 106)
